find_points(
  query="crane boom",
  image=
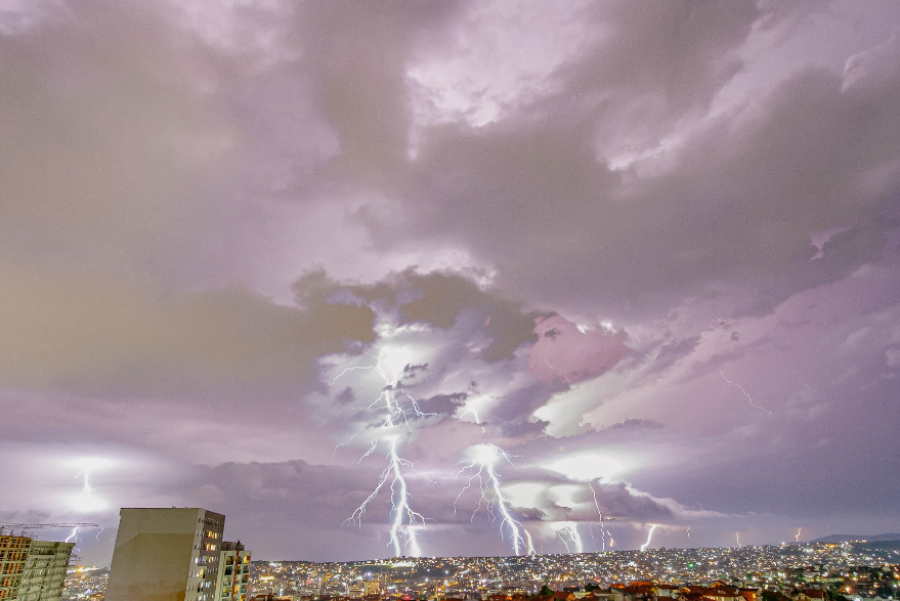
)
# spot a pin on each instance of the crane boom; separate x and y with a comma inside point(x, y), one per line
point(66, 525)
point(25, 527)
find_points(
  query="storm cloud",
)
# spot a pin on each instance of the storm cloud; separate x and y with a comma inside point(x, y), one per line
point(647, 250)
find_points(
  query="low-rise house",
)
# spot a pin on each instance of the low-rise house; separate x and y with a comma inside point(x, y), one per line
point(809, 595)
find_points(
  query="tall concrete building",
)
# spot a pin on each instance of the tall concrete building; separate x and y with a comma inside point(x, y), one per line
point(44, 577)
point(234, 573)
point(14, 552)
point(166, 555)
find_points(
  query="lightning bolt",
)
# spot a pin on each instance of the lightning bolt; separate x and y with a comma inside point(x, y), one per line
point(405, 521)
point(737, 537)
point(689, 533)
point(88, 489)
point(86, 500)
point(529, 542)
point(73, 538)
point(746, 394)
point(797, 536)
point(600, 513)
point(568, 533)
point(484, 458)
point(399, 502)
point(469, 408)
point(354, 368)
point(649, 537)
point(402, 508)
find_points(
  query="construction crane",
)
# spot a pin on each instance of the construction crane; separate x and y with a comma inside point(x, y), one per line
point(26, 527)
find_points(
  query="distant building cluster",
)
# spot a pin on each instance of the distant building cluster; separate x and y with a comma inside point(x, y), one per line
point(840, 572)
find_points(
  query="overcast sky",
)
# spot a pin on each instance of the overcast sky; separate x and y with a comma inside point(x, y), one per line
point(648, 251)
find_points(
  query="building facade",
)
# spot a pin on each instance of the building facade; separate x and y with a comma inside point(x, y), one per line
point(45, 571)
point(166, 555)
point(14, 552)
point(234, 573)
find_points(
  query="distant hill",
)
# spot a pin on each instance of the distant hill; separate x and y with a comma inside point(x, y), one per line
point(881, 544)
point(842, 538)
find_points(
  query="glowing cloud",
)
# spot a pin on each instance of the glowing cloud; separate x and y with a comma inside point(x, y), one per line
point(566, 352)
point(585, 467)
point(87, 501)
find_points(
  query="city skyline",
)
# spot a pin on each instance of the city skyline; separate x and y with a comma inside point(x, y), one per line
point(451, 278)
point(836, 571)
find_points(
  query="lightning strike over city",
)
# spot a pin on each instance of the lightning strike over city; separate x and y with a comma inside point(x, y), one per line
point(568, 534)
point(599, 515)
point(404, 521)
point(350, 293)
point(73, 538)
point(529, 542)
point(483, 459)
point(646, 544)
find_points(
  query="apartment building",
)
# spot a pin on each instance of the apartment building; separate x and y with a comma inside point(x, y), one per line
point(166, 555)
point(234, 573)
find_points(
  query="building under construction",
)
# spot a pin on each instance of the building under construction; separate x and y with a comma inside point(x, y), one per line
point(30, 569)
point(14, 552)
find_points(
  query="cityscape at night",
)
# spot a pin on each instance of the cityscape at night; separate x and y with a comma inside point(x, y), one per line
point(475, 300)
point(847, 571)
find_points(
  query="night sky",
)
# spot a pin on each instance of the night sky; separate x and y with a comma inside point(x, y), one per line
point(531, 263)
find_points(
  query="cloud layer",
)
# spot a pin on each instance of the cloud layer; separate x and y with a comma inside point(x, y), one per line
point(648, 250)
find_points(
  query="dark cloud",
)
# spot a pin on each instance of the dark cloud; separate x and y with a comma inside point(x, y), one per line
point(437, 299)
point(657, 65)
point(356, 57)
point(445, 296)
point(636, 423)
point(809, 155)
point(326, 494)
point(619, 502)
point(112, 161)
point(446, 404)
point(345, 396)
point(102, 336)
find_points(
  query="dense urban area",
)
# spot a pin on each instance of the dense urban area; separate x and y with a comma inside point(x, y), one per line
point(851, 571)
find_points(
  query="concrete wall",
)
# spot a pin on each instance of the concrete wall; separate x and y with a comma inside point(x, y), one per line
point(152, 560)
